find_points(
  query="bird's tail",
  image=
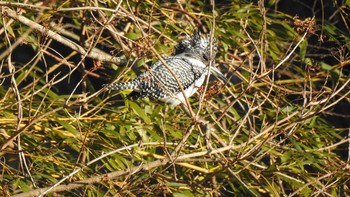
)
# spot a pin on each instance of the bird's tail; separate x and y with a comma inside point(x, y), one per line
point(131, 85)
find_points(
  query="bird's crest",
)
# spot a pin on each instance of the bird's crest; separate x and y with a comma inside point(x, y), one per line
point(197, 43)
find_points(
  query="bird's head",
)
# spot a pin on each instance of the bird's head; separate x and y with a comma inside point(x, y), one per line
point(198, 46)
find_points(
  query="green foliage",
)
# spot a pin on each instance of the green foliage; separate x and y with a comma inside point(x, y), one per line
point(280, 128)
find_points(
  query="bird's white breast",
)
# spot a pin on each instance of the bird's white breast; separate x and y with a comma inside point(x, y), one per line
point(178, 98)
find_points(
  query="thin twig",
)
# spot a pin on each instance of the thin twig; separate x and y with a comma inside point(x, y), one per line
point(53, 35)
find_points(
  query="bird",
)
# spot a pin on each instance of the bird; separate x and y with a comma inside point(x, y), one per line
point(189, 67)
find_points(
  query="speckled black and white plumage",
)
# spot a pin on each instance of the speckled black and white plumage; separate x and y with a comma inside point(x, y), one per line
point(189, 64)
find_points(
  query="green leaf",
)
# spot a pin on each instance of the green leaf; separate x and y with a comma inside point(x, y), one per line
point(69, 127)
point(24, 187)
point(133, 36)
point(303, 49)
point(139, 112)
point(185, 193)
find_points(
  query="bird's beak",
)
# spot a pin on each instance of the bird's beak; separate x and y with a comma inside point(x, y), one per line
point(218, 74)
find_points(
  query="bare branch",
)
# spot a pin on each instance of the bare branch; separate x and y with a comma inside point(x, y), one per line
point(53, 35)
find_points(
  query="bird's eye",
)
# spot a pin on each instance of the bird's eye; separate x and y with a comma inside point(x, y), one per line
point(205, 56)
